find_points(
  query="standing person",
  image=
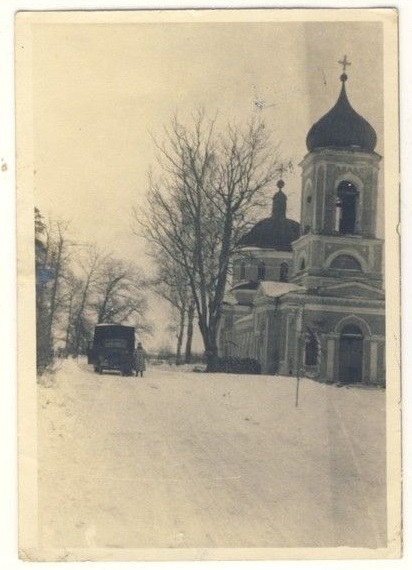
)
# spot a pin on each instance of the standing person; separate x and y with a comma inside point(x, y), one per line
point(140, 359)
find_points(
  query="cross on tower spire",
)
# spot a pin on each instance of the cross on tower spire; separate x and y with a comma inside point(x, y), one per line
point(344, 63)
point(282, 170)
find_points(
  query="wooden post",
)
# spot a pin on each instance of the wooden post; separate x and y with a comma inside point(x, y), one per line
point(299, 334)
point(298, 370)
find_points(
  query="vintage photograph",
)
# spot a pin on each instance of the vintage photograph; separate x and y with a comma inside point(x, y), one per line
point(208, 284)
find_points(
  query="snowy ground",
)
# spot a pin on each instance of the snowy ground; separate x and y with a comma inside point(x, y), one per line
point(185, 459)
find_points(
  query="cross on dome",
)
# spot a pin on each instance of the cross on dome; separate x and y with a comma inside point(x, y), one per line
point(344, 63)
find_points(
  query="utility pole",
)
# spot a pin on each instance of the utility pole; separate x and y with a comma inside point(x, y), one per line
point(299, 334)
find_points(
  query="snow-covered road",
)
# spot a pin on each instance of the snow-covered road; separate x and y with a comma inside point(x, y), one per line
point(185, 459)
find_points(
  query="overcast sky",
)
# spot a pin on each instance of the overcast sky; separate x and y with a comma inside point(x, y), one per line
point(100, 90)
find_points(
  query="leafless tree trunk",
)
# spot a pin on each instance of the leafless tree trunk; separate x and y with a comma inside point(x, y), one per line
point(189, 333)
point(89, 267)
point(171, 285)
point(198, 211)
point(180, 333)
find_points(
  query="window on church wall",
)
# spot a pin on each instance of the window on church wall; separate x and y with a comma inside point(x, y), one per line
point(261, 271)
point(284, 272)
point(345, 208)
point(347, 262)
point(242, 270)
point(352, 331)
point(302, 264)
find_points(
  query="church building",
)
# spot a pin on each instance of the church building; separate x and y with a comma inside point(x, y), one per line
point(309, 297)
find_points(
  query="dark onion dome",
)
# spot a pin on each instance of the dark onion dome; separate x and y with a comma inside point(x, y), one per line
point(342, 127)
point(276, 232)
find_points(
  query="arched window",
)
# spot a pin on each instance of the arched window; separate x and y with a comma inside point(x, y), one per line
point(284, 272)
point(242, 273)
point(302, 264)
point(261, 271)
point(346, 262)
point(346, 204)
point(311, 349)
point(351, 331)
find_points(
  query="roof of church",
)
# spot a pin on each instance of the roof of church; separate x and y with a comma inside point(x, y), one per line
point(229, 299)
point(277, 288)
point(244, 319)
point(250, 285)
point(342, 127)
point(269, 234)
point(277, 232)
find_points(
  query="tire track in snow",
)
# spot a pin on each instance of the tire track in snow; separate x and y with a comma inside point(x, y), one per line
point(351, 445)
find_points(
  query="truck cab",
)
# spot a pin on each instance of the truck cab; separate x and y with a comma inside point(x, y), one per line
point(112, 349)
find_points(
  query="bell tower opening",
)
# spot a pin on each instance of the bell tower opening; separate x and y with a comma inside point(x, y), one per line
point(346, 206)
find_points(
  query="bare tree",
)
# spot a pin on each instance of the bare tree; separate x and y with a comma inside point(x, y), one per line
point(89, 267)
point(75, 293)
point(72, 286)
point(171, 284)
point(119, 294)
point(212, 184)
point(52, 247)
point(104, 290)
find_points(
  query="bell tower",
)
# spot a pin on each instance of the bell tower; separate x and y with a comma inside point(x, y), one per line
point(339, 200)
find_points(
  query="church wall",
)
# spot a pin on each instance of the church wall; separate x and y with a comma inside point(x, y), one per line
point(260, 337)
point(288, 340)
point(226, 341)
point(328, 324)
point(320, 197)
point(368, 203)
point(275, 336)
point(319, 252)
point(275, 341)
point(328, 222)
point(272, 260)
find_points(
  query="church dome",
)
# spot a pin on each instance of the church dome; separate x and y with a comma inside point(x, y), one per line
point(342, 127)
point(276, 232)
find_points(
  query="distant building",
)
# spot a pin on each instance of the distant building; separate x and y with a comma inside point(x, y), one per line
point(311, 295)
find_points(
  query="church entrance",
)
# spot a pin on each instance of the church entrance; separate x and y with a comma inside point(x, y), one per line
point(350, 354)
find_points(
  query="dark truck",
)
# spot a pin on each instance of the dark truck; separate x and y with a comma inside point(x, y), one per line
point(112, 349)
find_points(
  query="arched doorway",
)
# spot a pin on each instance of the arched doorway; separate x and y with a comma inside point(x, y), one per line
point(351, 354)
